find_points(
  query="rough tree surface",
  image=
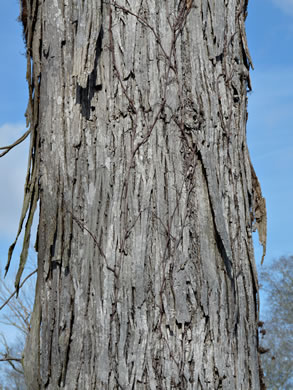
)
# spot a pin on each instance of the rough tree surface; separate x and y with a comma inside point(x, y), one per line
point(146, 272)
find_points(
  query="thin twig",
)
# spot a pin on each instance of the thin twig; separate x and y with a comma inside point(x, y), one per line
point(17, 142)
point(145, 23)
point(82, 226)
point(9, 359)
point(16, 290)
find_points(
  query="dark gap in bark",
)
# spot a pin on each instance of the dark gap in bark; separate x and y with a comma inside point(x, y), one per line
point(219, 57)
point(52, 247)
point(225, 258)
point(84, 95)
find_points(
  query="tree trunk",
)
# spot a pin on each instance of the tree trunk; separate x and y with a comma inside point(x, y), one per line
point(146, 272)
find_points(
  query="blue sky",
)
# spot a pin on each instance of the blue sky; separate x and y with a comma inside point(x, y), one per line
point(270, 137)
point(13, 100)
point(270, 111)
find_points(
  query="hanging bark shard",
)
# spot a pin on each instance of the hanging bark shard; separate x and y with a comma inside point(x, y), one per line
point(259, 212)
point(32, 37)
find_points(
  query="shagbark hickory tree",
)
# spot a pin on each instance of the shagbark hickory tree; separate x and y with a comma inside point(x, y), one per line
point(146, 272)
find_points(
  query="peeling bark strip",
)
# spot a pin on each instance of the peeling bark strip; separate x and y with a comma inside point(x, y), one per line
point(28, 17)
point(146, 274)
point(259, 213)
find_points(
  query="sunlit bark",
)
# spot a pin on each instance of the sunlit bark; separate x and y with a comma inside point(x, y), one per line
point(146, 273)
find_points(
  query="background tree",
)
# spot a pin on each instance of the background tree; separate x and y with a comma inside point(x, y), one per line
point(277, 281)
point(11, 371)
point(15, 314)
point(146, 273)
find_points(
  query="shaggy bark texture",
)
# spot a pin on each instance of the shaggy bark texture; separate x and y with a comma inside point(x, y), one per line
point(146, 275)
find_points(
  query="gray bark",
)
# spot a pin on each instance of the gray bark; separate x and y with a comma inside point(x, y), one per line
point(146, 272)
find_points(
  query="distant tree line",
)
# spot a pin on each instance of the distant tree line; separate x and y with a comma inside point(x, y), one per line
point(277, 330)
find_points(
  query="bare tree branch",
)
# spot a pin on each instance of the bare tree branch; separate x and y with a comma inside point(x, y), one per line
point(9, 359)
point(17, 142)
point(16, 291)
